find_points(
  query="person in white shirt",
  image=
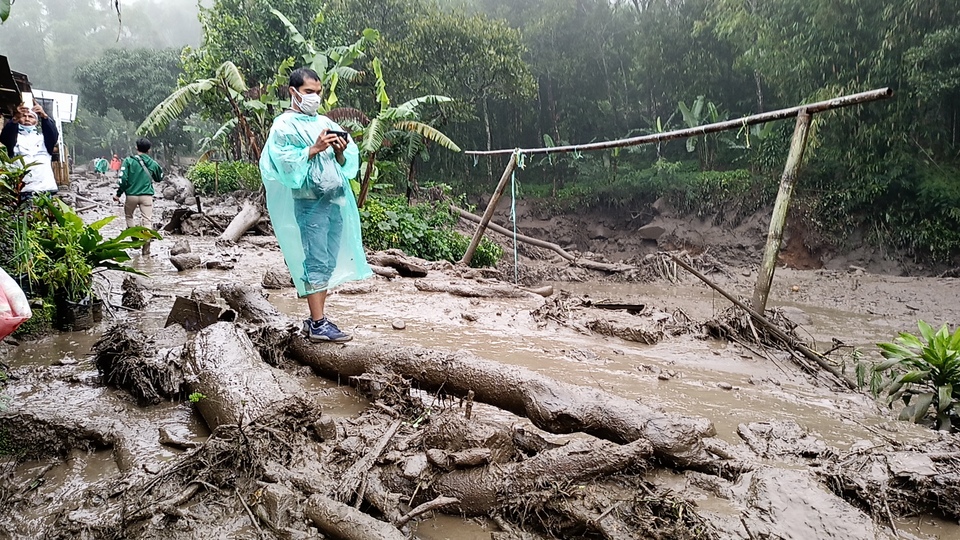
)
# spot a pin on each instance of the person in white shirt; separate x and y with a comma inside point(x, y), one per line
point(33, 135)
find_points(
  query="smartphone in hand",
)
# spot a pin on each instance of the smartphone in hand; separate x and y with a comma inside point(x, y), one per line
point(342, 134)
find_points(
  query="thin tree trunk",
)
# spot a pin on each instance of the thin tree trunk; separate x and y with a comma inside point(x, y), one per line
point(365, 184)
point(486, 125)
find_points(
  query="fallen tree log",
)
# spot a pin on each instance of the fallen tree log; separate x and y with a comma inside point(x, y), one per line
point(249, 216)
point(237, 386)
point(583, 263)
point(341, 521)
point(550, 404)
point(483, 489)
point(474, 291)
point(403, 264)
point(385, 271)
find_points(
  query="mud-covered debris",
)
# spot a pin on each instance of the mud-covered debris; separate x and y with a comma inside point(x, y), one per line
point(177, 436)
point(786, 438)
point(784, 503)
point(636, 329)
point(358, 287)
point(192, 315)
point(126, 358)
point(468, 317)
point(219, 265)
point(906, 481)
point(399, 324)
point(180, 247)
point(276, 279)
point(185, 261)
point(134, 293)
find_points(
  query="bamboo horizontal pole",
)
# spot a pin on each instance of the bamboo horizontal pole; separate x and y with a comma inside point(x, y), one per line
point(820, 106)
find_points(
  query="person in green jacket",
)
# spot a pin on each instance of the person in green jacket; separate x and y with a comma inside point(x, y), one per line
point(137, 175)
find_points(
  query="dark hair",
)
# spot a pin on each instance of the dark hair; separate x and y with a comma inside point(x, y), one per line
point(300, 75)
point(144, 145)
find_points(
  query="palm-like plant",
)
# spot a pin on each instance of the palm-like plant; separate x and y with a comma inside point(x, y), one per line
point(227, 82)
point(394, 123)
point(927, 370)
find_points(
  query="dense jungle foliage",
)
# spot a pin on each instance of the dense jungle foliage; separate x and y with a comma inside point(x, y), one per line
point(550, 72)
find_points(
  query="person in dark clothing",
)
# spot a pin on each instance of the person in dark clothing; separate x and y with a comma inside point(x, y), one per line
point(33, 135)
point(137, 175)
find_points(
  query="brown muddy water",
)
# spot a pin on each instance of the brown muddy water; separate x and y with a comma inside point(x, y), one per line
point(828, 306)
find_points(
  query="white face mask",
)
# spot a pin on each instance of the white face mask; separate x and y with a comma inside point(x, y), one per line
point(308, 104)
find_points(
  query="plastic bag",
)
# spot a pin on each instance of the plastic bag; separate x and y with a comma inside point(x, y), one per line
point(312, 208)
point(14, 307)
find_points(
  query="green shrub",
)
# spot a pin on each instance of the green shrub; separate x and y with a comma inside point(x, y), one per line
point(210, 178)
point(924, 373)
point(422, 230)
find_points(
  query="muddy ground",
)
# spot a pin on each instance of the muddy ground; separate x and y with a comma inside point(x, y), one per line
point(57, 406)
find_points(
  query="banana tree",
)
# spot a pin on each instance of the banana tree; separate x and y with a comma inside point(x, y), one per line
point(227, 82)
point(394, 124)
point(334, 63)
point(698, 113)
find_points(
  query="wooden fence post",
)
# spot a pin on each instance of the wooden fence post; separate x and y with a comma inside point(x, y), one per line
point(779, 218)
point(488, 214)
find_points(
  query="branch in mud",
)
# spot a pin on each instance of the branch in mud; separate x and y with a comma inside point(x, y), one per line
point(584, 263)
point(341, 521)
point(787, 340)
point(477, 291)
point(483, 489)
point(403, 264)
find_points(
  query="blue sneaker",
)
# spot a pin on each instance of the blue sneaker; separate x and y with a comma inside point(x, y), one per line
point(324, 330)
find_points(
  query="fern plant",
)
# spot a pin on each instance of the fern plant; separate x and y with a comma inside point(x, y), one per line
point(922, 371)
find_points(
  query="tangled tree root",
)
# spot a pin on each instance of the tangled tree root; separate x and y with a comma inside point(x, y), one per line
point(126, 358)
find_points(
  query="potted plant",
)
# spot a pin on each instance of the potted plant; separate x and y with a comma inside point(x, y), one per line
point(66, 252)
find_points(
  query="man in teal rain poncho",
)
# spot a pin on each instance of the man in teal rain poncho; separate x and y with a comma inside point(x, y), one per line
point(306, 166)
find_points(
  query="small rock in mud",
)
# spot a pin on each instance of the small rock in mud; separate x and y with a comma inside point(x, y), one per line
point(650, 232)
point(725, 386)
point(205, 295)
point(65, 361)
point(326, 428)
point(746, 273)
point(219, 265)
point(152, 468)
point(185, 261)
point(177, 437)
point(664, 376)
point(276, 279)
point(180, 247)
point(399, 324)
point(469, 317)
point(414, 466)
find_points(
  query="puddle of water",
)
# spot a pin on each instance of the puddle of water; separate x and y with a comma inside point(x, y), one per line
point(444, 527)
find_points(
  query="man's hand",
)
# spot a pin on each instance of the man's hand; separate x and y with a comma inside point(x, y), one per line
point(39, 110)
point(116, 199)
point(329, 140)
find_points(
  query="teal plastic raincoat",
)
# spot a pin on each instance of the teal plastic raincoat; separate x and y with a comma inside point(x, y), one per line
point(311, 204)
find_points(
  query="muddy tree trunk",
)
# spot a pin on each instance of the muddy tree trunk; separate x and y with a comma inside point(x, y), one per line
point(552, 405)
point(248, 217)
point(483, 489)
point(237, 386)
point(341, 521)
